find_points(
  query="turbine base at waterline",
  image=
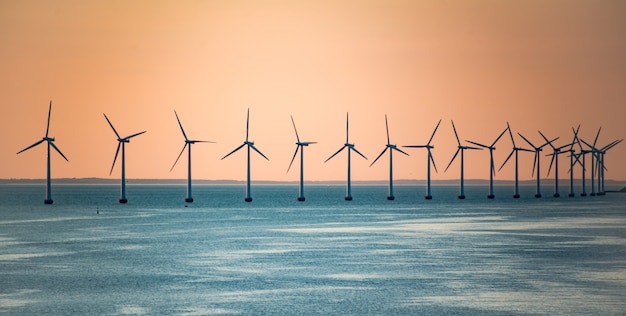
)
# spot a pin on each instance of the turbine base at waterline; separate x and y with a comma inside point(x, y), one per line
point(123, 200)
point(46, 201)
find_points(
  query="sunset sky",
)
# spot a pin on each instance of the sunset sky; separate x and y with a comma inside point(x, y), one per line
point(540, 65)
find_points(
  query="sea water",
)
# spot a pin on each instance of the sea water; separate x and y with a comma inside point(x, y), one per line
point(89, 255)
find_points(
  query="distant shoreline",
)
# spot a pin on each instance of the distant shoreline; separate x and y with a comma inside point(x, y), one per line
point(613, 184)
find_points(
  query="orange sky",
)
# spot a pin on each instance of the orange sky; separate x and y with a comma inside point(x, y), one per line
point(546, 65)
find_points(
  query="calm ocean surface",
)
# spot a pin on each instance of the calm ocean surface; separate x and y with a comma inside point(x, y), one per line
point(326, 256)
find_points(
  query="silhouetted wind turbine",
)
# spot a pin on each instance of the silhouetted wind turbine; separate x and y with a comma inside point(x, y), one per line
point(461, 149)
point(428, 147)
point(50, 141)
point(299, 145)
point(572, 162)
point(492, 168)
point(188, 143)
point(391, 148)
point(601, 166)
point(555, 157)
point(516, 151)
point(537, 162)
point(250, 145)
point(121, 143)
point(350, 148)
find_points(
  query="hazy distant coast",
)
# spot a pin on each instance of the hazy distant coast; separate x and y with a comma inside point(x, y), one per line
point(546, 183)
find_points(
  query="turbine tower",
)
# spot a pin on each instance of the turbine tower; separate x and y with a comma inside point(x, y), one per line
point(572, 161)
point(537, 161)
point(555, 157)
point(50, 141)
point(188, 143)
point(430, 159)
point(516, 151)
point(121, 143)
point(461, 149)
point(249, 144)
point(492, 168)
point(350, 148)
point(299, 145)
point(391, 148)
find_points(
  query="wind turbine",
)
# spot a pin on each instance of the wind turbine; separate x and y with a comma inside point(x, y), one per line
point(299, 145)
point(350, 148)
point(462, 150)
point(555, 157)
point(572, 161)
point(516, 151)
point(537, 161)
point(593, 150)
point(250, 145)
point(50, 141)
point(188, 143)
point(600, 161)
point(492, 168)
point(121, 143)
point(391, 148)
point(428, 147)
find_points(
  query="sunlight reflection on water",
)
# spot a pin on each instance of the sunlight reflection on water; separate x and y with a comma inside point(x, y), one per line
point(324, 256)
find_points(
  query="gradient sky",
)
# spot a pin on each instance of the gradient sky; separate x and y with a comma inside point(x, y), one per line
point(540, 65)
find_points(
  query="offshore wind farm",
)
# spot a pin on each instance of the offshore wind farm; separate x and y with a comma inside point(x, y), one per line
point(325, 234)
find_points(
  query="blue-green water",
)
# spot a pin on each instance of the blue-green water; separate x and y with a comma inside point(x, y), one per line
point(326, 256)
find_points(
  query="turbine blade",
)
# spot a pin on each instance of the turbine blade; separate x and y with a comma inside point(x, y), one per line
point(551, 162)
point(535, 162)
point(598, 134)
point(260, 153)
point(247, 123)
point(432, 159)
point(493, 167)
point(181, 126)
point(477, 144)
point(49, 112)
point(547, 141)
point(525, 139)
point(497, 139)
point(335, 154)
point(358, 152)
point(111, 124)
point(387, 127)
point(384, 150)
point(31, 146)
point(295, 129)
point(58, 150)
point(400, 150)
point(451, 160)
point(435, 131)
point(455, 134)
point(575, 139)
point(472, 148)
point(181, 153)
point(294, 154)
point(234, 150)
point(510, 134)
point(507, 159)
point(133, 135)
point(117, 151)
